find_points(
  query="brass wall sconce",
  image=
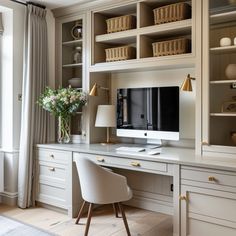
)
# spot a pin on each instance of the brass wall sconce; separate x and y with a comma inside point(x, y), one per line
point(187, 84)
point(94, 90)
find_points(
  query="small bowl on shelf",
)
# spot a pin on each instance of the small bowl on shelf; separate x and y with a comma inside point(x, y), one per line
point(75, 82)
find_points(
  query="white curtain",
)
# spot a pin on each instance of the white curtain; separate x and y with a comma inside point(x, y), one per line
point(34, 119)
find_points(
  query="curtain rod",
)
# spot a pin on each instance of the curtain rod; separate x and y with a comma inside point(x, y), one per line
point(32, 3)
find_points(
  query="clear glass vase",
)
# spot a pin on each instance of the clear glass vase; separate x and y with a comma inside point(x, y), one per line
point(63, 135)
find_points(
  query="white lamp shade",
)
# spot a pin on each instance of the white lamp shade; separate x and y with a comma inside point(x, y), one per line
point(106, 116)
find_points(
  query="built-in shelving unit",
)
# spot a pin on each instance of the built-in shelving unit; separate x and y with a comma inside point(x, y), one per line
point(141, 38)
point(218, 124)
point(69, 67)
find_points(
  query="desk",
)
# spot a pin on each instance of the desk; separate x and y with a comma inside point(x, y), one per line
point(181, 164)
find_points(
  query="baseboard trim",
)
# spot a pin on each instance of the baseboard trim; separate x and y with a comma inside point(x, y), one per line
point(50, 207)
point(9, 198)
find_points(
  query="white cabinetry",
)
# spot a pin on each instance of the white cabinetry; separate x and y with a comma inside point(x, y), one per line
point(219, 113)
point(208, 202)
point(70, 61)
point(53, 177)
point(141, 37)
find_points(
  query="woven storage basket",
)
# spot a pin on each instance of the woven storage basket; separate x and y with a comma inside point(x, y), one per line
point(171, 47)
point(120, 23)
point(173, 12)
point(120, 53)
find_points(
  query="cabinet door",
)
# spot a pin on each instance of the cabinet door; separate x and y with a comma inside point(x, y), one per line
point(219, 77)
point(207, 212)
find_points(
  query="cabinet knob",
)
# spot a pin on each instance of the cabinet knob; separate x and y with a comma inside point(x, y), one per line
point(212, 179)
point(135, 163)
point(100, 159)
point(51, 168)
point(181, 197)
point(52, 156)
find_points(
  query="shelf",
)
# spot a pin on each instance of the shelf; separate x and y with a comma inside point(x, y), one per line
point(126, 37)
point(223, 17)
point(225, 114)
point(72, 65)
point(168, 29)
point(222, 81)
point(73, 43)
point(167, 62)
point(227, 49)
point(123, 37)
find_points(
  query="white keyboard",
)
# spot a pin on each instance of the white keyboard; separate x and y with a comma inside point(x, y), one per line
point(130, 149)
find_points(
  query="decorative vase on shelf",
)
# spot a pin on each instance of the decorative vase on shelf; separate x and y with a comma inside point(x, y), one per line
point(230, 71)
point(63, 135)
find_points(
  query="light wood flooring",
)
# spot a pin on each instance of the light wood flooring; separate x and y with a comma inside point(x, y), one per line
point(104, 223)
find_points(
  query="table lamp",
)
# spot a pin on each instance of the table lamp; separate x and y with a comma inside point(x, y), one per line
point(106, 117)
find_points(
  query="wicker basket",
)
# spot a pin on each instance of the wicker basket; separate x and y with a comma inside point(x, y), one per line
point(120, 23)
point(171, 47)
point(173, 12)
point(120, 53)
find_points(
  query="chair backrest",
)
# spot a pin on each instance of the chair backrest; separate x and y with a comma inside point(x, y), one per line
point(99, 185)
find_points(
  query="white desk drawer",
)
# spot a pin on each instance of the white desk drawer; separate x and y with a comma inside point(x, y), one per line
point(52, 173)
point(208, 176)
point(54, 156)
point(52, 195)
point(126, 162)
point(215, 206)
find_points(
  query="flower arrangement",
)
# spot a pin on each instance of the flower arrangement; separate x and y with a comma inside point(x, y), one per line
point(62, 103)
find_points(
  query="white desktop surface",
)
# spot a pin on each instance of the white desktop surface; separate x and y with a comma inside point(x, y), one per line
point(182, 156)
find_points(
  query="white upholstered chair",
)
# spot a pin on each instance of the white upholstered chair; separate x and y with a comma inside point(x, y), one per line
point(101, 186)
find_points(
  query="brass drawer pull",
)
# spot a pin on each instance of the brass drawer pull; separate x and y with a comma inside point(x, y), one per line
point(212, 179)
point(51, 168)
point(182, 198)
point(135, 163)
point(100, 159)
point(52, 156)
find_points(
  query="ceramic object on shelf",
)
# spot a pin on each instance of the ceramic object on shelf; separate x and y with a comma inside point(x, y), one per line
point(75, 82)
point(77, 55)
point(230, 71)
point(77, 30)
point(235, 41)
point(226, 41)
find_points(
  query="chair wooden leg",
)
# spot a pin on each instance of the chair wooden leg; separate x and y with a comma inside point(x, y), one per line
point(124, 218)
point(80, 212)
point(115, 208)
point(89, 219)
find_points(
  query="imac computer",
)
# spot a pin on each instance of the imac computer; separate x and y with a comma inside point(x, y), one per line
point(150, 113)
